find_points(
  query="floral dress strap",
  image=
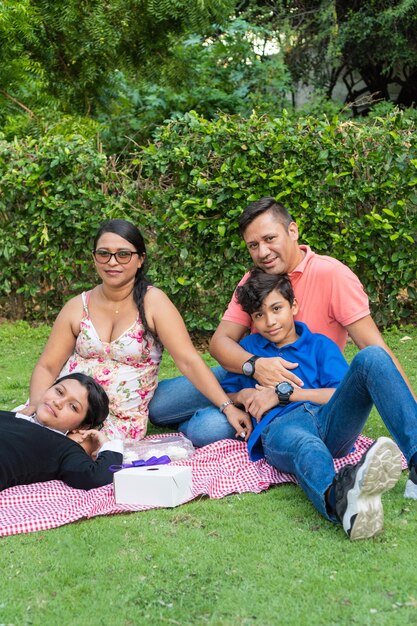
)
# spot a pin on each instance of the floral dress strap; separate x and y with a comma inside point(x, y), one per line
point(85, 298)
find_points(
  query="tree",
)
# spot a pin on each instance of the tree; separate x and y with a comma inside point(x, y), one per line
point(77, 46)
point(370, 46)
point(378, 41)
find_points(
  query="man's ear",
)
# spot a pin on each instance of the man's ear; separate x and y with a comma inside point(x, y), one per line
point(293, 231)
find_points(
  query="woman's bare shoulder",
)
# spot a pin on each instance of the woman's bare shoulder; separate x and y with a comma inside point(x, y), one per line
point(154, 294)
point(72, 311)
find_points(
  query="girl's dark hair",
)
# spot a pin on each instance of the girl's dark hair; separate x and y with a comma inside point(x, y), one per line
point(98, 401)
point(131, 233)
point(259, 285)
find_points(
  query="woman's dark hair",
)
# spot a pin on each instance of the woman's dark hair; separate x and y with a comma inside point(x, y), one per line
point(98, 401)
point(259, 285)
point(128, 231)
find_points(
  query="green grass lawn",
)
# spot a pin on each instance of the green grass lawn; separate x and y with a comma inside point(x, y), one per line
point(266, 559)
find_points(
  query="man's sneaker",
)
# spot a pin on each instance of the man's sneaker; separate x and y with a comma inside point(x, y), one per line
point(358, 489)
point(411, 484)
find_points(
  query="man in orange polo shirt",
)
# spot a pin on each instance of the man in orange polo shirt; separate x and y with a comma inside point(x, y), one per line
point(331, 301)
point(330, 297)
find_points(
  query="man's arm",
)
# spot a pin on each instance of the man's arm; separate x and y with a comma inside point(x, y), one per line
point(365, 333)
point(225, 348)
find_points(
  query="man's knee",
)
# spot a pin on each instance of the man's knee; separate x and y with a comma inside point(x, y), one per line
point(371, 357)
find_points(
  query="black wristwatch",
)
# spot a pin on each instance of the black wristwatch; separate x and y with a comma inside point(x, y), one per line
point(248, 368)
point(283, 391)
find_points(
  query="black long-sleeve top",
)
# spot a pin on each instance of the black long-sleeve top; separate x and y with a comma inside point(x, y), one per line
point(30, 453)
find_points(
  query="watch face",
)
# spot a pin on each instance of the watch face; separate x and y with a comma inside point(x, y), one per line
point(248, 368)
point(285, 387)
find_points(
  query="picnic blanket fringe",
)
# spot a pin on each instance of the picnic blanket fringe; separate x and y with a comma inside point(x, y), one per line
point(219, 469)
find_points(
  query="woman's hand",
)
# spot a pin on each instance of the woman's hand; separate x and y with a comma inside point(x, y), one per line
point(273, 370)
point(240, 421)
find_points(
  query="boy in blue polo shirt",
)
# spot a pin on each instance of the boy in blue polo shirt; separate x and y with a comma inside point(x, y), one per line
point(300, 430)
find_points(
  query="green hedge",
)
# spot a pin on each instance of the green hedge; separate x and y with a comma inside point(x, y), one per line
point(54, 192)
point(350, 185)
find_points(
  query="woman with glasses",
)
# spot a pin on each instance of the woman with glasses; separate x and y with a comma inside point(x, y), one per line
point(116, 333)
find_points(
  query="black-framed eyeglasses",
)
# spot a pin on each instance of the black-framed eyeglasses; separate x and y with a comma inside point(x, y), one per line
point(122, 256)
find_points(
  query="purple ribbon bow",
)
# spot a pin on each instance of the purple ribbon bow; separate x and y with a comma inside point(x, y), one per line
point(153, 460)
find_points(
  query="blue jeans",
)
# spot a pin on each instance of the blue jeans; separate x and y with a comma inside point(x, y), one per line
point(305, 440)
point(178, 402)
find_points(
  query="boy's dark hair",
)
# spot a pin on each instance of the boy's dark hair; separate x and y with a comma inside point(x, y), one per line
point(259, 285)
point(254, 209)
point(98, 401)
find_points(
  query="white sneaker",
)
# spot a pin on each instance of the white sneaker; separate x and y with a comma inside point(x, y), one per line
point(358, 489)
point(411, 485)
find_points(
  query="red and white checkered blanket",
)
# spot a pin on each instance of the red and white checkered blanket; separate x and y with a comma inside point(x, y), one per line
point(219, 469)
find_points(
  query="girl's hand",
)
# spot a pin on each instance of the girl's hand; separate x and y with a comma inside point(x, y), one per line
point(30, 409)
point(91, 440)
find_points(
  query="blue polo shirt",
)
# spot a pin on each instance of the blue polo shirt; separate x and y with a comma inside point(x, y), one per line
point(320, 364)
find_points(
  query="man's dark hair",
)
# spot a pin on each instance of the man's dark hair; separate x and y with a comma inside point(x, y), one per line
point(259, 285)
point(254, 209)
point(98, 401)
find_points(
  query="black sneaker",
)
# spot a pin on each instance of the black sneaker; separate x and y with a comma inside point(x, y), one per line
point(411, 484)
point(358, 489)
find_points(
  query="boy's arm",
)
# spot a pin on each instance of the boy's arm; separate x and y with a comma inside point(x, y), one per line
point(330, 366)
point(265, 398)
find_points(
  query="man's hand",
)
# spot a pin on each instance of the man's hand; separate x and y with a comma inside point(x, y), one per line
point(273, 370)
point(240, 421)
point(91, 440)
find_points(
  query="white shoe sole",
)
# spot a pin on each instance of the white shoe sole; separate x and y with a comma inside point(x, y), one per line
point(380, 472)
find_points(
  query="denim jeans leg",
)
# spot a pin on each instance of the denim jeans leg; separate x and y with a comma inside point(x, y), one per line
point(176, 400)
point(292, 443)
point(371, 379)
point(207, 426)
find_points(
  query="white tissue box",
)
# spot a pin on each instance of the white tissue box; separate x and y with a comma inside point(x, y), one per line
point(156, 485)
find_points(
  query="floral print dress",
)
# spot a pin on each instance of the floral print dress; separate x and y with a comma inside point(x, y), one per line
point(127, 368)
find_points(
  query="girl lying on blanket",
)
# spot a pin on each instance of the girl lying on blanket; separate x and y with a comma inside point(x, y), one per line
point(49, 444)
point(116, 333)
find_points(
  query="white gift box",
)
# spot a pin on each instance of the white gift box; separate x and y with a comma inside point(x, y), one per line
point(156, 485)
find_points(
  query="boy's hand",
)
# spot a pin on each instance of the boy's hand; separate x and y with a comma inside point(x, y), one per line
point(269, 371)
point(240, 421)
point(264, 399)
point(257, 401)
point(91, 440)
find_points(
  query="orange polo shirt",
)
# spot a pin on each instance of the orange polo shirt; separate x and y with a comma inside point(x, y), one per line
point(330, 297)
